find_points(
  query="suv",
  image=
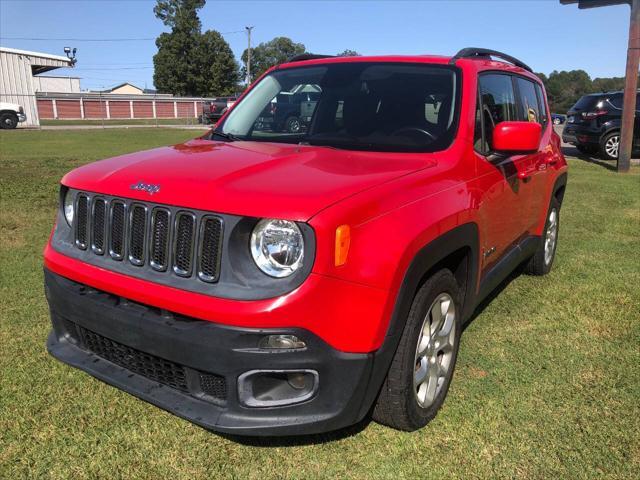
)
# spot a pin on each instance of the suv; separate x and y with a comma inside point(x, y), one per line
point(593, 124)
point(10, 115)
point(264, 283)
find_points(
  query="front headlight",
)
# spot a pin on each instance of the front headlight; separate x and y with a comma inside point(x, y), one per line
point(68, 207)
point(277, 247)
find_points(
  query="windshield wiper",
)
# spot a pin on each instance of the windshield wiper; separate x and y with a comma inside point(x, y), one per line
point(228, 136)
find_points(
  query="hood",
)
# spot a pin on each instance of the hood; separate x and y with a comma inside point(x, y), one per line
point(244, 178)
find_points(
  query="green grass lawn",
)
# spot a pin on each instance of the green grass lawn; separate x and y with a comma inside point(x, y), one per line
point(123, 121)
point(547, 384)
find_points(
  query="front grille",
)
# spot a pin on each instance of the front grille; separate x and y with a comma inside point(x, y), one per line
point(99, 224)
point(178, 243)
point(154, 368)
point(149, 366)
point(82, 221)
point(159, 238)
point(117, 229)
point(185, 226)
point(210, 244)
point(137, 229)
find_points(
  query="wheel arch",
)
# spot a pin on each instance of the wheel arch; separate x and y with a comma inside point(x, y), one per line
point(457, 250)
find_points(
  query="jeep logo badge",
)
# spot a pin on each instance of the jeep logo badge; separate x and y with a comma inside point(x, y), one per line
point(150, 188)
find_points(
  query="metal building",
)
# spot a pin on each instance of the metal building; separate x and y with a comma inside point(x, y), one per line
point(17, 69)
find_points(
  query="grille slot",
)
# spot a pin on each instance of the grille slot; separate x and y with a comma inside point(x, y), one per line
point(82, 221)
point(145, 364)
point(210, 244)
point(138, 229)
point(154, 368)
point(183, 244)
point(99, 225)
point(118, 212)
point(213, 385)
point(159, 249)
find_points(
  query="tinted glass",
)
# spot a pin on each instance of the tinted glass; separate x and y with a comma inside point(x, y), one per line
point(529, 110)
point(544, 115)
point(497, 105)
point(363, 106)
point(616, 100)
point(585, 103)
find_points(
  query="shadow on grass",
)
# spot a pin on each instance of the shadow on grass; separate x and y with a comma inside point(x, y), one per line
point(574, 152)
point(300, 440)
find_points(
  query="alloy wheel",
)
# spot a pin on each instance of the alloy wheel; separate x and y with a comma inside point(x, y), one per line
point(612, 146)
point(551, 236)
point(434, 351)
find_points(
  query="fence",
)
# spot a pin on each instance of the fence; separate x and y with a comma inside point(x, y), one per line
point(105, 107)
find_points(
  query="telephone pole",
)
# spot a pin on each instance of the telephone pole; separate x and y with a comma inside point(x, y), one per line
point(249, 54)
point(631, 75)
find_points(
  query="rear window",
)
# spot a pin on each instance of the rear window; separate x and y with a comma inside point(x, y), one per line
point(585, 103)
point(616, 100)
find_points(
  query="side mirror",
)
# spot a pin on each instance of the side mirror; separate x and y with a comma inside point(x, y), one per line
point(517, 136)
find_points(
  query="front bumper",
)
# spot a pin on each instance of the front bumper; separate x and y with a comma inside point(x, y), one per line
point(191, 367)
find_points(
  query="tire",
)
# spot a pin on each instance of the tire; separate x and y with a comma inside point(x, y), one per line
point(8, 120)
point(293, 125)
point(610, 146)
point(587, 149)
point(542, 260)
point(399, 402)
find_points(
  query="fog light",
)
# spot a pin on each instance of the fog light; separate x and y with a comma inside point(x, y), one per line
point(299, 380)
point(281, 341)
point(272, 388)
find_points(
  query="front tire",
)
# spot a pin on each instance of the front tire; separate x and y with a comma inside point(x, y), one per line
point(610, 146)
point(293, 125)
point(422, 368)
point(8, 120)
point(542, 260)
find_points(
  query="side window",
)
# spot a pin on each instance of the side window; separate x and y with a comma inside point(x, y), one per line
point(544, 115)
point(529, 110)
point(496, 104)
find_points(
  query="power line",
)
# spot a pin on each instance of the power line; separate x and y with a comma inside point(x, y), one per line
point(140, 39)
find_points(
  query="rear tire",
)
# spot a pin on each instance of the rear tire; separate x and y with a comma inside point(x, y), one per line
point(542, 260)
point(421, 370)
point(610, 146)
point(8, 120)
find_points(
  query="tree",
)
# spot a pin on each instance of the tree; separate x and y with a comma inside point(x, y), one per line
point(348, 53)
point(271, 53)
point(565, 88)
point(188, 62)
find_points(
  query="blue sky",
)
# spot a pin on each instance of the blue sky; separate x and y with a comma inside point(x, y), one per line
point(542, 33)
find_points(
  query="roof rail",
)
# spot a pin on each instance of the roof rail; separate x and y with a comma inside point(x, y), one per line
point(472, 52)
point(307, 56)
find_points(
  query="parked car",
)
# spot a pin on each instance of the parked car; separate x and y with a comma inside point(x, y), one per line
point(594, 122)
point(213, 110)
point(10, 115)
point(291, 111)
point(558, 119)
point(261, 283)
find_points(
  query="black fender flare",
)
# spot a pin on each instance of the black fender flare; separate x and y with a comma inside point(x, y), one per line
point(465, 236)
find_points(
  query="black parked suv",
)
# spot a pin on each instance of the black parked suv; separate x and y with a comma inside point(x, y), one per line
point(593, 124)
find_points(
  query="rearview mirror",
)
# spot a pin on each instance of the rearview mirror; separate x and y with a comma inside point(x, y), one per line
point(517, 136)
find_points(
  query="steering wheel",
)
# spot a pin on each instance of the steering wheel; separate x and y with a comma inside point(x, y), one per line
point(419, 130)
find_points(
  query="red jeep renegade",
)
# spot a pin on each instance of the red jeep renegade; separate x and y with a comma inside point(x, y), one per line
point(264, 282)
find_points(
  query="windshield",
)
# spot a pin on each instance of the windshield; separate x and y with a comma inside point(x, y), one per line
point(362, 106)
